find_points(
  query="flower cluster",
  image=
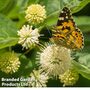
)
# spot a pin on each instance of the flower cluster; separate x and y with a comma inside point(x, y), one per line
point(55, 60)
point(28, 36)
point(35, 13)
point(38, 79)
point(69, 78)
point(9, 62)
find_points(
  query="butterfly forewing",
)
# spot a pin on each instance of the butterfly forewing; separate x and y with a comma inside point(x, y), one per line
point(66, 32)
point(64, 16)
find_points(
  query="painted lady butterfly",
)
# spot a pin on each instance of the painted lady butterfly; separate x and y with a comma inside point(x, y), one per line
point(66, 32)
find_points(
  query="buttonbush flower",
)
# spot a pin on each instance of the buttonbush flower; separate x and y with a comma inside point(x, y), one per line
point(35, 13)
point(55, 60)
point(69, 78)
point(9, 62)
point(28, 37)
point(38, 79)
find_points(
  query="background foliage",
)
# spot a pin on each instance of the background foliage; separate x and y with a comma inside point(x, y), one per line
point(12, 17)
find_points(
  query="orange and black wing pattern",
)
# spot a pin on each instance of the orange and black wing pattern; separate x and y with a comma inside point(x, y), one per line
point(66, 32)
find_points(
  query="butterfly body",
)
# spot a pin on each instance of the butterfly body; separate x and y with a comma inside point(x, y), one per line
point(66, 33)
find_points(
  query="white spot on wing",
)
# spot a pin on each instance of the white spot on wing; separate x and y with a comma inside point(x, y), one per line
point(61, 18)
point(62, 11)
point(66, 17)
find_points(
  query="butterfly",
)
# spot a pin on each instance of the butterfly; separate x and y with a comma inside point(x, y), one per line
point(66, 33)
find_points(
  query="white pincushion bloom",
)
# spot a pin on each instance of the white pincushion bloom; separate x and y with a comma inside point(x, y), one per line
point(38, 79)
point(35, 13)
point(28, 36)
point(55, 60)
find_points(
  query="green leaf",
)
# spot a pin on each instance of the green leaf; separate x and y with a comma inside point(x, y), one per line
point(85, 60)
point(76, 5)
point(17, 13)
point(82, 69)
point(83, 23)
point(82, 20)
point(87, 40)
point(3, 4)
point(53, 8)
point(51, 20)
point(80, 6)
point(6, 6)
point(50, 6)
point(8, 33)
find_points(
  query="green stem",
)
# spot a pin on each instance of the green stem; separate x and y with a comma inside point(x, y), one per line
point(40, 28)
point(25, 52)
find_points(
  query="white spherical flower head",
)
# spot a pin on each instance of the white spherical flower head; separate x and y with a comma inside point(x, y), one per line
point(38, 79)
point(55, 60)
point(35, 13)
point(28, 37)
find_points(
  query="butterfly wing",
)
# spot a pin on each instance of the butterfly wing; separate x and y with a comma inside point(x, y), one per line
point(64, 16)
point(66, 32)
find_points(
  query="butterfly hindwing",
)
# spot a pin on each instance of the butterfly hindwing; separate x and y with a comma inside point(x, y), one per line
point(66, 32)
